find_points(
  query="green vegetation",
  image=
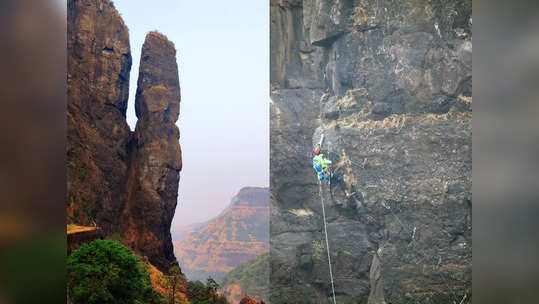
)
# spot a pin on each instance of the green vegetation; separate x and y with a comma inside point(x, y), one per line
point(318, 250)
point(105, 271)
point(252, 276)
point(175, 283)
point(198, 293)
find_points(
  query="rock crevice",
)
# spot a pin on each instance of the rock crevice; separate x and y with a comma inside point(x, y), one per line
point(389, 85)
point(124, 182)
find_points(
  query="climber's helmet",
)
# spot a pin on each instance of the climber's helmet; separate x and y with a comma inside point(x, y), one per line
point(317, 150)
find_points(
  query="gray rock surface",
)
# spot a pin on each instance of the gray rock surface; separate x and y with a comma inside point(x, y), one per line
point(388, 82)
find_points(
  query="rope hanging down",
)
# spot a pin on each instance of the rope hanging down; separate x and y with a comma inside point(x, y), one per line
point(327, 243)
point(413, 231)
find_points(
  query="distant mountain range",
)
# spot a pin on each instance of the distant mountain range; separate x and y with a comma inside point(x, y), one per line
point(239, 234)
point(178, 232)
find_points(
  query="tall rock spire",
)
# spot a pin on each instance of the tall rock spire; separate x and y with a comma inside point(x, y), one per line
point(124, 182)
point(152, 185)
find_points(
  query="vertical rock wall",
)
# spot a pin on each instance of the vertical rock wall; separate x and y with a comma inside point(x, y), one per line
point(389, 83)
point(99, 62)
point(152, 186)
point(124, 182)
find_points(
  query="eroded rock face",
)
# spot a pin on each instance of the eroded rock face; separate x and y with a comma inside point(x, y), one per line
point(152, 186)
point(99, 61)
point(124, 182)
point(390, 83)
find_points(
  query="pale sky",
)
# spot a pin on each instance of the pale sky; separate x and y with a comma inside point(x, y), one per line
point(223, 60)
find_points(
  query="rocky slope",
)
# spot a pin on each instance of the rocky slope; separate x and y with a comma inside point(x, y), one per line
point(251, 277)
point(178, 231)
point(124, 182)
point(389, 83)
point(161, 284)
point(248, 300)
point(238, 234)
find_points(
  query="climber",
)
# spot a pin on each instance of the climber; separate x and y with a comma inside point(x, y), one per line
point(320, 165)
point(337, 177)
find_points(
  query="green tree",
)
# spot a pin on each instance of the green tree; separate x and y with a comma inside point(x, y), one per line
point(105, 271)
point(198, 293)
point(212, 287)
point(176, 282)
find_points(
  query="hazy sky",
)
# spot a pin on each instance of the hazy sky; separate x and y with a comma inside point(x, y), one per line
point(223, 61)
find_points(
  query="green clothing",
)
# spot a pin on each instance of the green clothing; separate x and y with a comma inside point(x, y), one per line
point(321, 162)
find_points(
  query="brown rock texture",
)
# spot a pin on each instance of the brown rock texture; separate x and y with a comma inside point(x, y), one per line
point(161, 284)
point(238, 234)
point(99, 61)
point(152, 185)
point(248, 300)
point(124, 182)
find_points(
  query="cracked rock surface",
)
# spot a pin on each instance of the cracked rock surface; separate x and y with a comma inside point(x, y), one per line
point(389, 84)
point(124, 182)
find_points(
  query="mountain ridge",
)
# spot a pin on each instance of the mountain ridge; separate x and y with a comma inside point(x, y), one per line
point(179, 231)
point(237, 234)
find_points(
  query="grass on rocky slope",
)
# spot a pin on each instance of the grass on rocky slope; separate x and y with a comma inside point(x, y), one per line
point(252, 276)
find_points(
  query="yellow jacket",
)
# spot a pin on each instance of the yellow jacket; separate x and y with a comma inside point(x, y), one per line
point(320, 163)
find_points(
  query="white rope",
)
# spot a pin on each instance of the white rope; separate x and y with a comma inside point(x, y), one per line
point(327, 243)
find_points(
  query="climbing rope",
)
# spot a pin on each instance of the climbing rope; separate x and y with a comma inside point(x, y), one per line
point(361, 165)
point(327, 243)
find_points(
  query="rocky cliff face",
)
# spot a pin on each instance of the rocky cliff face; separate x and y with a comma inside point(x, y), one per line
point(152, 185)
point(99, 61)
point(124, 182)
point(238, 234)
point(389, 85)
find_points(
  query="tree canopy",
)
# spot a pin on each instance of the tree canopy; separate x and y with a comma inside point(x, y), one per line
point(105, 271)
